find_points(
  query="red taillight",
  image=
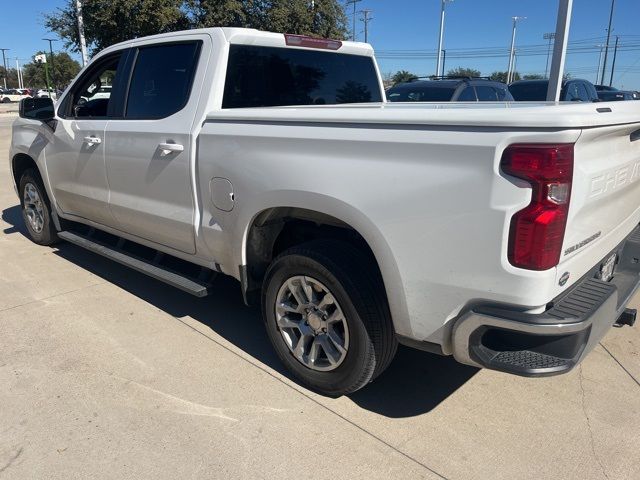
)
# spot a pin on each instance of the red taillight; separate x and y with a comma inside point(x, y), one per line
point(537, 231)
point(311, 42)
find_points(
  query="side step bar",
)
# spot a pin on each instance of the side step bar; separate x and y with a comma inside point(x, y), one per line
point(194, 286)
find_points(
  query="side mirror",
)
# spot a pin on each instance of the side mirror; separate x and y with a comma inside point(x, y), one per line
point(37, 109)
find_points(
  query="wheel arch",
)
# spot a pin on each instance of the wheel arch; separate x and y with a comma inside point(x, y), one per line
point(331, 217)
point(20, 163)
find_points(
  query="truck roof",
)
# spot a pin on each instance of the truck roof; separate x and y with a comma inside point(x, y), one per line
point(248, 36)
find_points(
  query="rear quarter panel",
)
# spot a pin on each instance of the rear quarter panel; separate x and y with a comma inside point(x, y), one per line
point(429, 200)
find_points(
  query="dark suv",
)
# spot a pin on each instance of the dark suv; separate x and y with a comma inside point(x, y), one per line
point(450, 89)
point(573, 90)
point(612, 94)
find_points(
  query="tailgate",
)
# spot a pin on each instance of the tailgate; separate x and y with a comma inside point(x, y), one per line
point(605, 198)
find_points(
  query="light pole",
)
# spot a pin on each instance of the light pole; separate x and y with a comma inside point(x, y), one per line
point(441, 35)
point(549, 36)
point(353, 2)
point(559, 50)
point(20, 85)
point(513, 47)
point(53, 68)
point(4, 62)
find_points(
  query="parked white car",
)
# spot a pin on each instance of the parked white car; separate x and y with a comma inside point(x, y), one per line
point(13, 95)
point(503, 234)
point(43, 93)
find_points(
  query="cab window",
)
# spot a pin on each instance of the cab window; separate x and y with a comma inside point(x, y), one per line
point(92, 97)
point(161, 80)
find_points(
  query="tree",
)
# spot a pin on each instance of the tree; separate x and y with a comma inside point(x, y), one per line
point(63, 71)
point(353, 92)
point(402, 76)
point(322, 18)
point(463, 72)
point(12, 77)
point(502, 76)
point(111, 21)
point(533, 76)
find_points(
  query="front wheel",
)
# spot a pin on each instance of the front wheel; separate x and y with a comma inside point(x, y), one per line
point(327, 317)
point(36, 210)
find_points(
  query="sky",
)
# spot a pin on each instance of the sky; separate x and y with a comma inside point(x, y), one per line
point(404, 34)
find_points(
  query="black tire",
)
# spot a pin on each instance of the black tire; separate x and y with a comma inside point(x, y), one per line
point(356, 286)
point(47, 235)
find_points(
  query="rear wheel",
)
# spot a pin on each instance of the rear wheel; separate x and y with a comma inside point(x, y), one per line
point(36, 209)
point(327, 317)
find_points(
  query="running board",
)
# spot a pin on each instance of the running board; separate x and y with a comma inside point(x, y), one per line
point(197, 285)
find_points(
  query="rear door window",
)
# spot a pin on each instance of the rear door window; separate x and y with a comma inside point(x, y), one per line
point(272, 76)
point(503, 94)
point(161, 80)
point(486, 93)
point(467, 95)
point(573, 93)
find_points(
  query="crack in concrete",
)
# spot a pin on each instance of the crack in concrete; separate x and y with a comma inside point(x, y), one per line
point(319, 404)
point(12, 459)
point(620, 364)
point(586, 416)
point(51, 296)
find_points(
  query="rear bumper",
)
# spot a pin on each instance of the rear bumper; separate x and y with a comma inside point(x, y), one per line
point(502, 338)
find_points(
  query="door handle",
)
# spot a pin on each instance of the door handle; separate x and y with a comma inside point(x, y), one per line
point(167, 148)
point(92, 140)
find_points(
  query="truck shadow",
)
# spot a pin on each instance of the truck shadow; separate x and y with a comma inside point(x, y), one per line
point(13, 216)
point(415, 383)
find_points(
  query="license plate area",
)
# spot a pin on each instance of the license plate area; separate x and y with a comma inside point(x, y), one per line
point(607, 268)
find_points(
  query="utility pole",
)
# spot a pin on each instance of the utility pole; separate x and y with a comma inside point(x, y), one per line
point(444, 58)
point(513, 48)
point(599, 63)
point(550, 36)
point(4, 62)
point(353, 2)
point(559, 50)
point(606, 50)
point(53, 68)
point(367, 18)
point(441, 35)
point(613, 64)
point(83, 43)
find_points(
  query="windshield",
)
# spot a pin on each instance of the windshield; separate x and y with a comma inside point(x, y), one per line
point(420, 94)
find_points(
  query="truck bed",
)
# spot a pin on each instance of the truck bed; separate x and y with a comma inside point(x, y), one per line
point(548, 115)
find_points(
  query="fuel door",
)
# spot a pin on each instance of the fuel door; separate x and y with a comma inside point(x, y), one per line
point(221, 191)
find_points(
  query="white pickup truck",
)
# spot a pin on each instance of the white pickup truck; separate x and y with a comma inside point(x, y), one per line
point(503, 234)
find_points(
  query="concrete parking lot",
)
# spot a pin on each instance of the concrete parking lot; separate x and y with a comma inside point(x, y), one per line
point(106, 373)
